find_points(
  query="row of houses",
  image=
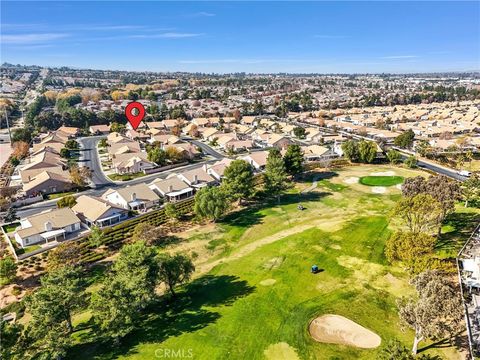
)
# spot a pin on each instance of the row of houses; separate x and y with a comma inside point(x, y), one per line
point(44, 172)
point(116, 204)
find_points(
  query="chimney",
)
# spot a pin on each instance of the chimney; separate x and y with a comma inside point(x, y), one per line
point(204, 166)
point(195, 179)
point(134, 196)
point(170, 188)
point(48, 226)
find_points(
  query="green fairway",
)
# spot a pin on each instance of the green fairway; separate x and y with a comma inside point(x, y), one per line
point(381, 180)
point(254, 295)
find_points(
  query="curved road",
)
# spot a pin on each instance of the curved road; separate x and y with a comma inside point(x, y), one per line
point(89, 158)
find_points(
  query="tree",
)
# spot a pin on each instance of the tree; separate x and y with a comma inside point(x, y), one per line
point(173, 154)
point(299, 132)
point(103, 143)
point(394, 156)
point(172, 212)
point(21, 149)
point(22, 134)
point(437, 311)
point(405, 140)
point(65, 153)
point(238, 180)
point(80, 176)
point(293, 159)
point(174, 270)
point(8, 270)
point(95, 238)
point(72, 144)
point(367, 151)
point(471, 189)
point(414, 186)
point(193, 132)
point(145, 232)
point(66, 201)
point(127, 290)
point(65, 254)
point(116, 127)
point(211, 203)
point(157, 155)
point(395, 351)
point(420, 213)
point(14, 160)
point(11, 215)
point(409, 248)
point(411, 162)
point(51, 308)
point(446, 192)
point(351, 151)
point(275, 176)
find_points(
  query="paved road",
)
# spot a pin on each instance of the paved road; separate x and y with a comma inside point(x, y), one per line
point(206, 149)
point(89, 157)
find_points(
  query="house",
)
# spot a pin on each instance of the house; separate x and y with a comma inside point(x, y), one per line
point(95, 211)
point(99, 129)
point(136, 197)
point(314, 152)
point(172, 189)
point(197, 178)
point(115, 138)
point(49, 225)
point(217, 169)
point(47, 182)
point(68, 131)
point(136, 135)
point(257, 159)
point(123, 148)
point(239, 145)
point(130, 163)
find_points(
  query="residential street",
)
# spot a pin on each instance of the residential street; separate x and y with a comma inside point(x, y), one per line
point(89, 157)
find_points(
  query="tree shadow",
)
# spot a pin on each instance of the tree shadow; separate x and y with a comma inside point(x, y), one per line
point(459, 341)
point(463, 224)
point(173, 316)
point(311, 176)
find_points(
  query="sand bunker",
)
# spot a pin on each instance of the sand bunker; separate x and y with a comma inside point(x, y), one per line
point(268, 282)
point(336, 247)
point(335, 329)
point(379, 189)
point(383, 173)
point(351, 180)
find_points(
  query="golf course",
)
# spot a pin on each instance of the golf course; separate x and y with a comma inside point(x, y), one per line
point(253, 295)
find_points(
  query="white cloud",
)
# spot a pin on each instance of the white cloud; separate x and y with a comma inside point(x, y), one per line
point(31, 38)
point(201, 14)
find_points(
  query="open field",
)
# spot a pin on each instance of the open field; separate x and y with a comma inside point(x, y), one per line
point(253, 296)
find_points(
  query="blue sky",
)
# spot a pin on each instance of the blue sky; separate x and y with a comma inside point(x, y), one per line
point(262, 37)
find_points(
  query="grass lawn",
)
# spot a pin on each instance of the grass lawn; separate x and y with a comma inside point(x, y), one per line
point(381, 180)
point(11, 227)
point(59, 195)
point(125, 177)
point(253, 295)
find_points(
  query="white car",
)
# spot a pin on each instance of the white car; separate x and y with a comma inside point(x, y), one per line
point(464, 173)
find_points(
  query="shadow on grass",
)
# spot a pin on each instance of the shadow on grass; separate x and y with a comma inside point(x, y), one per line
point(459, 341)
point(462, 224)
point(311, 176)
point(251, 215)
point(171, 316)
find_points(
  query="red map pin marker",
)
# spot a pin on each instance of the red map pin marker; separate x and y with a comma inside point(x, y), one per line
point(133, 119)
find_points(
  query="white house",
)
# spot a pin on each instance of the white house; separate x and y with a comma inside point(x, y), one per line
point(95, 211)
point(172, 189)
point(48, 225)
point(136, 197)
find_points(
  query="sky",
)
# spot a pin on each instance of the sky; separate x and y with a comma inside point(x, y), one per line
point(253, 37)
